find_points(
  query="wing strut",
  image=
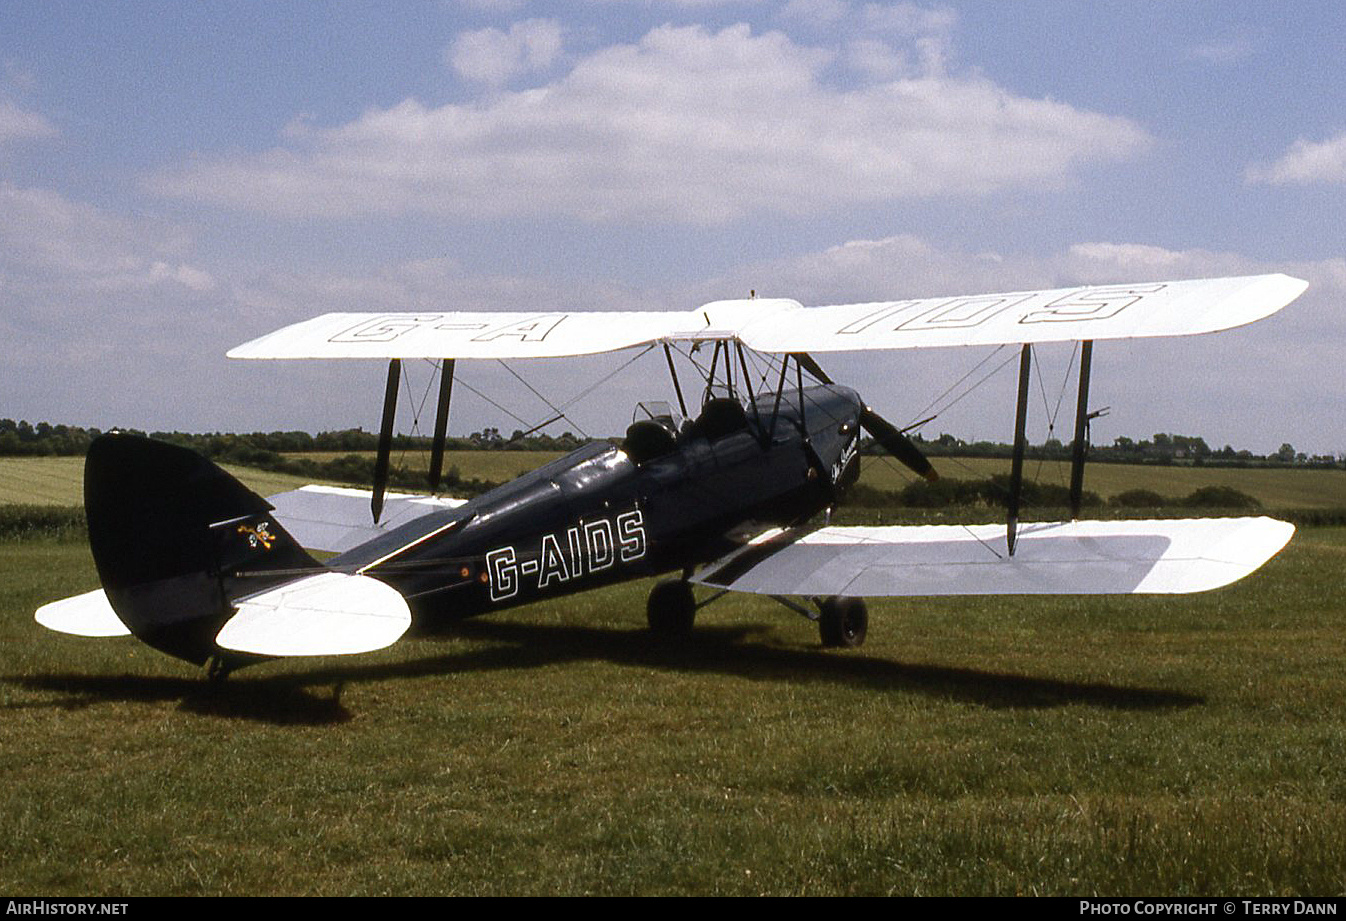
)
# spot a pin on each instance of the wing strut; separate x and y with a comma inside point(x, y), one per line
point(1082, 417)
point(748, 386)
point(1020, 444)
point(806, 360)
point(441, 423)
point(780, 390)
point(385, 449)
point(672, 372)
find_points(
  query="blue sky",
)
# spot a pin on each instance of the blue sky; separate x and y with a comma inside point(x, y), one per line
point(178, 178)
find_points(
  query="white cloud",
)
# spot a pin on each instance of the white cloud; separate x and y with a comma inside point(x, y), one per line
point(1126, 255)
point(1306, 162)
point(47, 239)
point(687, 125)
point(17, 124)
point(495, 57)
point(876, 59)
point(110, 320)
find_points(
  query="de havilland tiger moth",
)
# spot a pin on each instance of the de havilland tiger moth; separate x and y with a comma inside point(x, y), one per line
point(733, 494)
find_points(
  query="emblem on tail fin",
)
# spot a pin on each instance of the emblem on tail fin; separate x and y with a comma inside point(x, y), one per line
point(258, 536)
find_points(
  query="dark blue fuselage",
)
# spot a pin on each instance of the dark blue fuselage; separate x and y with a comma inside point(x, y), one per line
point(662, 500)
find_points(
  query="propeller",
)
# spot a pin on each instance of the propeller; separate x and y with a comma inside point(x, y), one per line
point(883, 431)
point(897, 444)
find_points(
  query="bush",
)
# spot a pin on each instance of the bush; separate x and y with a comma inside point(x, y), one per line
point(1034, 495)
point(18, 522)
point(1220, 497)
point(1138, 498)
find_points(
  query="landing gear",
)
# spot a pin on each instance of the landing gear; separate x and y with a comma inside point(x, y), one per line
point(842, 621)
point(671, 609)
point(218, 668)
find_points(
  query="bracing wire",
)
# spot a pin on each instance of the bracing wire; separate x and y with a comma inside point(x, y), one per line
point(954, 386)
point(1054, 413)
point(559, 410)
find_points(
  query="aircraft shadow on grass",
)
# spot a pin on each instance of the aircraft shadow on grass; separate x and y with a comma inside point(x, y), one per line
point(300, 699)
point(287, 701)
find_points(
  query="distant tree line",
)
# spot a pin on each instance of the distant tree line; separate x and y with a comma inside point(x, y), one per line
point(1162, 449)
point(22, 438)
point(18, 439)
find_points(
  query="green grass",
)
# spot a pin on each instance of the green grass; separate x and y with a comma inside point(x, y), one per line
point(974, 746)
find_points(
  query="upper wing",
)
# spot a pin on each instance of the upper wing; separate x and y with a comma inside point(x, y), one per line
point(1176, 308)
point(778, 325)
point(464, 335)
point(1078, 557)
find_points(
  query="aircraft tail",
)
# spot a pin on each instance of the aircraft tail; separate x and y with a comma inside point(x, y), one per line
point(177, 541)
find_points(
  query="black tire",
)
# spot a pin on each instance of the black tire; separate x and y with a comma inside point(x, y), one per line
point(843, 621)
point(671, 609)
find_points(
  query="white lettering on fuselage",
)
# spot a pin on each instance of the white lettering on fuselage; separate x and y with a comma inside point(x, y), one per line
point(588, 547)
point(847, 454)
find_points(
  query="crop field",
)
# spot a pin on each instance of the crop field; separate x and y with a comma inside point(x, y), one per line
point(60, 480)
point(1153, 745)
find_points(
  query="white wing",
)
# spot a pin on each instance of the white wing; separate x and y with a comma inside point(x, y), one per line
point(1079, 557)
point(463, 335)
point(1121, 311)
point(1176, 308)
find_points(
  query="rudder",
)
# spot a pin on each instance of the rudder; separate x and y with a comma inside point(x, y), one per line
point(176, 540)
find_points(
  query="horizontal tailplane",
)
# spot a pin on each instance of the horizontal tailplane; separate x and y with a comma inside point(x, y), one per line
point(329, 614)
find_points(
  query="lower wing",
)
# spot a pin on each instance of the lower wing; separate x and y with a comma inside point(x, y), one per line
point(1078, 557)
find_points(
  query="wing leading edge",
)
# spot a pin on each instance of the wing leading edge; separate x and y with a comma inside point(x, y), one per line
point(1098, 312)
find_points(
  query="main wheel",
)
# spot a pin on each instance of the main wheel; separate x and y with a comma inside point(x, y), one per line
point(843, 621)
point(671, 609)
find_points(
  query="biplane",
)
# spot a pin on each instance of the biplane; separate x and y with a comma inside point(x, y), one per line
point(730, 492)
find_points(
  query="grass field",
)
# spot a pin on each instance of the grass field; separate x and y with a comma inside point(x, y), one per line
point(59, 480)
point(974, 746)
